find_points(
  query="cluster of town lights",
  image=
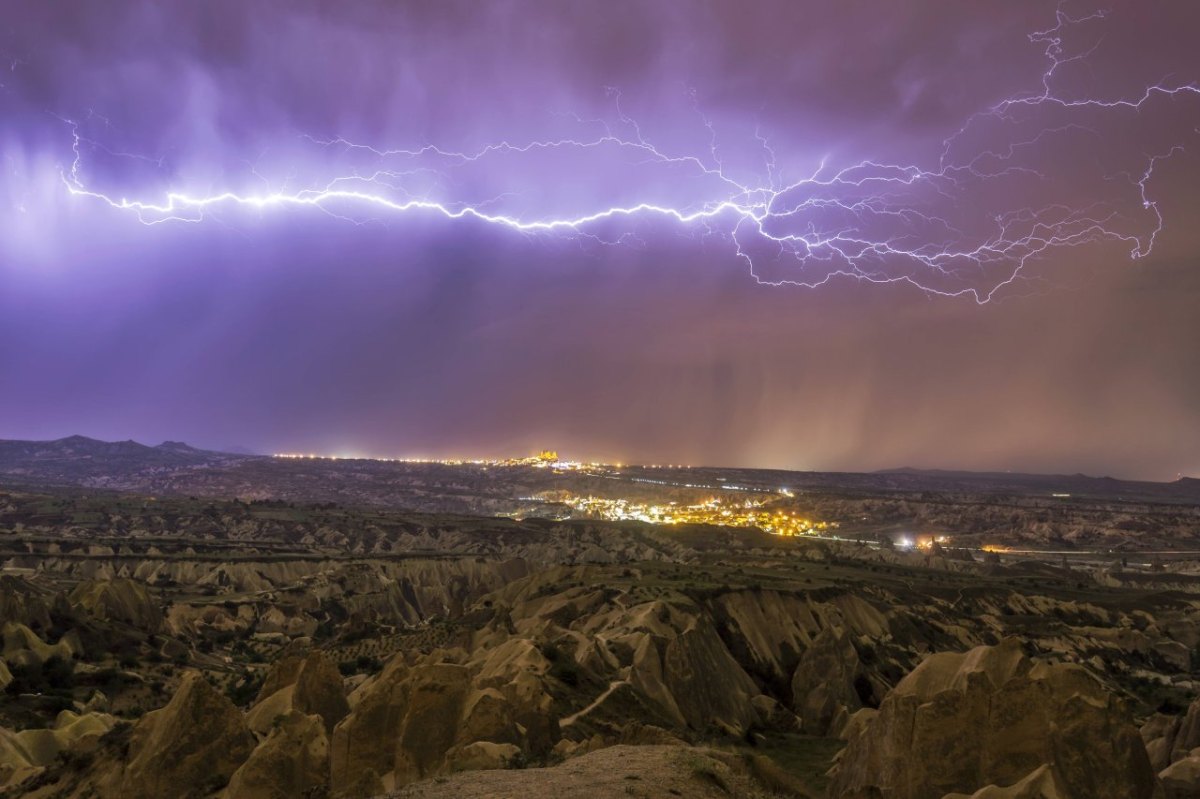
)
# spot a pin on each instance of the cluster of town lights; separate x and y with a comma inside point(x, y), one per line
point(742, 513)
point(546, 459)
point(924, 542)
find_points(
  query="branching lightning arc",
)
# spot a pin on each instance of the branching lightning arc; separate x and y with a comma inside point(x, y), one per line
point(874, 221)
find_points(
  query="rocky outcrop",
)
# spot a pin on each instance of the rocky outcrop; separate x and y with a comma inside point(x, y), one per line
point(710, 689)
point(1173, 745)
point(1171, 738)
point(198, 621)
point(123, 600)
point(960, 722)
point(24, 754)
point(282, 674)
point(189, 748)
point(24, 602)
point(1181, 779)
point(293, 761)
point(516, 671)
point(669, 654)
point(16, 765)
point(416, 721)
point(394, 592)
point(483, 755)
point(770, 630)
point(403, 726)
point(823, 687)
point(309, 685)
point(1040, 784)
point(22, 646)
point(69, 730)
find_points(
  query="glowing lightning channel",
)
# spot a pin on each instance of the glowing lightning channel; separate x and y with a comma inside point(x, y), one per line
point(869, 221)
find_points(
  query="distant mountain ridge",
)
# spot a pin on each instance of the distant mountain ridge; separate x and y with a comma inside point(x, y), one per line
point(1182, 488)
point(82, 446)
point(79, 460)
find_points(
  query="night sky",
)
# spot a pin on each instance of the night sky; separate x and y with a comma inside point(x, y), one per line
point(850, 235)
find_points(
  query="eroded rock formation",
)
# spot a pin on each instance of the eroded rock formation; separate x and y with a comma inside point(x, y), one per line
point(991, 716)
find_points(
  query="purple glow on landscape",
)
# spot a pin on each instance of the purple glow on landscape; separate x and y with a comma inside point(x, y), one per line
point(643, 232)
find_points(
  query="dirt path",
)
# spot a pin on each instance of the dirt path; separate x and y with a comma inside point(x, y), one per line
point(567, 721)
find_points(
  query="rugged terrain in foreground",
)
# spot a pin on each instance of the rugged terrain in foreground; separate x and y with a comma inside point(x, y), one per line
point(173, 645)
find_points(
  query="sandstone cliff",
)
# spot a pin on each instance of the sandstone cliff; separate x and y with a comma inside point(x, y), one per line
point(961, 722)
point(189, 748)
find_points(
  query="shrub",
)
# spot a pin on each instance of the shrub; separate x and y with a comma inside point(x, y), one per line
point(56, 674)
point(243, 691)
point(363, 664)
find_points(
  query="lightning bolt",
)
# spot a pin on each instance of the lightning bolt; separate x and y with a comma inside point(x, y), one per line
point(871, 221)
